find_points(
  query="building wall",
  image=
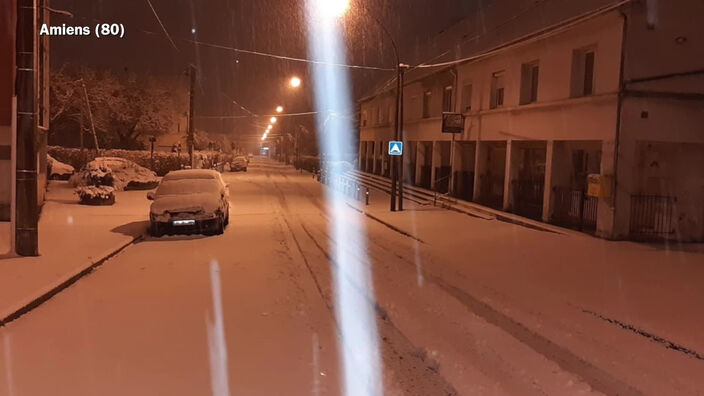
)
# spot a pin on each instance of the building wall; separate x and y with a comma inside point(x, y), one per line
point(7, 69)
point(555, 115)
point(642, 126)
point(662, 115)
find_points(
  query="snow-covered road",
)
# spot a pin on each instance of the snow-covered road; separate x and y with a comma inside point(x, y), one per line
point(251, 312)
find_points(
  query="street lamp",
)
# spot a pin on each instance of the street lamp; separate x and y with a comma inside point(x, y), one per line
point(279, 109)
point(295, 82)
point(272, 120)
point(396, 167)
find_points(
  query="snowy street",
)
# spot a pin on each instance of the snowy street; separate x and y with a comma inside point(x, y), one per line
point(463, 306)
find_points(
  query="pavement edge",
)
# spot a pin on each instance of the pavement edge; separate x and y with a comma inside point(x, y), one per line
point(64, 282)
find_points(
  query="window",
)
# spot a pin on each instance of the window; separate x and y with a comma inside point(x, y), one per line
point(467, 98)
point(497, 90)
point(583, 72)
point(426, 103)
point(447, 99)
point(589, 73)
point(364, 118)
point(529, 82)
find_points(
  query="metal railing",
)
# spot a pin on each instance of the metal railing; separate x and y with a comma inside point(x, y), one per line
point(344, 185)
point(438, 194)
point(652, 216)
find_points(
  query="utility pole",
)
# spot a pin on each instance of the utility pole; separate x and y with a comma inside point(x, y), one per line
point(394, 166)
point(402, 69)
point(191, 128)
point(27, 213)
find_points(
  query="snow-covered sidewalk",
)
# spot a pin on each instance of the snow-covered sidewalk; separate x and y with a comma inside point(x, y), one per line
point(627, 308)
point(72, 238)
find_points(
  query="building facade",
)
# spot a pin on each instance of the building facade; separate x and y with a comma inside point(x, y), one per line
point(7, 89)
point(8, 102)
point(595, 121)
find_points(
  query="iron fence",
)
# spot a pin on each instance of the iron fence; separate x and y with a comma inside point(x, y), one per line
point(491, 191)
point(652, 216)
point(528, 198)
point(574, 208)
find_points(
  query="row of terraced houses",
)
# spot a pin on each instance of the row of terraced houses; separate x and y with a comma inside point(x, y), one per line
point(558, 95)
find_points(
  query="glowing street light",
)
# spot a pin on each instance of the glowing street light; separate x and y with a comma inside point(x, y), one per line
point(295, 82)
point(272, 120)
point(268, 128)
point(332, 8)
point(279, 109)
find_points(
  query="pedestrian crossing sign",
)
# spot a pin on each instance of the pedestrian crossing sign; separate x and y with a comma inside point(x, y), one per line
point(395, 148)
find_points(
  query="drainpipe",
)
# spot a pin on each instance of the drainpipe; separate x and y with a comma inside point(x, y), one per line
point(451, 181)
point(619, 111)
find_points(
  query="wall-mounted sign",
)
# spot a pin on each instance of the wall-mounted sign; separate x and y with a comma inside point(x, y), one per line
point(395, 148)
point(452, 123)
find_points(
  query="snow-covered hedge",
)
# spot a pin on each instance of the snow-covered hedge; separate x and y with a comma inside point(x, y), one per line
point(163, 162)
point(308, 163)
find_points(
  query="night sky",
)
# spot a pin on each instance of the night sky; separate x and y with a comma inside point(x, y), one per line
point(272, 26)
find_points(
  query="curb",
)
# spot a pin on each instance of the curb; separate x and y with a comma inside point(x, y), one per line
point(384, 223)
point(476, 210)
point(507, 217)
point(62, 283)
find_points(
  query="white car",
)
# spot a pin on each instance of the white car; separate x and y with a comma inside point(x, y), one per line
point(190, 201)
point(239, 163)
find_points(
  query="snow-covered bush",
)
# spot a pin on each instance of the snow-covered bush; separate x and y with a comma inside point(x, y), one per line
point(96, 195)
point(58, 170)
point(116, 172)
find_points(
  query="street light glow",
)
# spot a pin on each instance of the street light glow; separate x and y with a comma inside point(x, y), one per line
point(360, 356)
point(332, 8)
point(279, 109)
point(272, 120)
point(295, 82)
point(269, 127)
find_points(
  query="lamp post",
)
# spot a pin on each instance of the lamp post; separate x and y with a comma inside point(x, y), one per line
point(396, 161)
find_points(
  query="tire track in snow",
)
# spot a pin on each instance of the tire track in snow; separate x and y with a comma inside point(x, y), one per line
point(415, 372)
point(597, 378)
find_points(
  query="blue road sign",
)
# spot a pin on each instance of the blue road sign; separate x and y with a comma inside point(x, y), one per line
point(395, 148)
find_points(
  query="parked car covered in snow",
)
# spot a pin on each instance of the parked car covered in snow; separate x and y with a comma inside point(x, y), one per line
point(190, 201)
point(117, 172)
point(239, 163)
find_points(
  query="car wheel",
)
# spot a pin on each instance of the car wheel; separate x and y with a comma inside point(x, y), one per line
point(220, 226)
point(245, 169)
point(156, 230)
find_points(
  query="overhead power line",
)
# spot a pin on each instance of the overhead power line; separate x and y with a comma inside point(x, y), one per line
point(532, 37)
point(168, 36)
point(259, 115)
point(289, 58)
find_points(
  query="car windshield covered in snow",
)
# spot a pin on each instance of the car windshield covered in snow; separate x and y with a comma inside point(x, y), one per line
point(188, 186)
point(192, 174)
